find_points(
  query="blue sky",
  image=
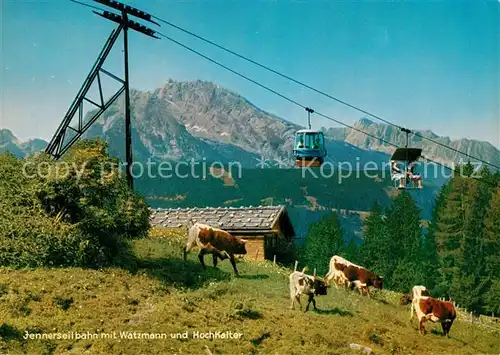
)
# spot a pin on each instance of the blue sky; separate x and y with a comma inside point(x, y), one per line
point(426, 65)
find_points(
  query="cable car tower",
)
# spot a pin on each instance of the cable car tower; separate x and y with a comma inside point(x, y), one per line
point(67, 135)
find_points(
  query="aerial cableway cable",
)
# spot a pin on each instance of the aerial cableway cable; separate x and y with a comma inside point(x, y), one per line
point(263, 66)
point(300, 83)
point(88, 5)
point(296, 102)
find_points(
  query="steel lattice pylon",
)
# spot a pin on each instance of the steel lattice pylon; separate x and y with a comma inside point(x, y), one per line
point(66, 135)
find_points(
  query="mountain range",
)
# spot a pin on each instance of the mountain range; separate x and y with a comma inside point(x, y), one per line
point(201, 120)
point(9, 142)
point(432, 145)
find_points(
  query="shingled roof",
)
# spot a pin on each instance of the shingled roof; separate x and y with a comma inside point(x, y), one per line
point(261, 218)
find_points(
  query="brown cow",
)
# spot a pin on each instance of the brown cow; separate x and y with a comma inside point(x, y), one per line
point(416, 291)
point(214, 241)
point(428, 308)
point(360, 277)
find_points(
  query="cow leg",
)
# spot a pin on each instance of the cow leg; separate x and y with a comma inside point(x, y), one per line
point(309, 300)
point(450, 323)
point(336, 281)
point(446, 325)
point(215, 254)
point(339, 281)
point(297, 298)
point(421, 325)
point(233, 262)
point(201, 256)
point(292, 305)
point(361, 290)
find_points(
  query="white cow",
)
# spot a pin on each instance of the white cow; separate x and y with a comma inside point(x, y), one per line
point(302, 283)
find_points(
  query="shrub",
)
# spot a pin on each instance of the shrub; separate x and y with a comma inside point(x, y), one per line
point(80, 217)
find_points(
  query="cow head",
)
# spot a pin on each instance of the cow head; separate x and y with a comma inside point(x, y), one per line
point(320, 287)
point(240, 246)
point(405, 299)
point(378, 282)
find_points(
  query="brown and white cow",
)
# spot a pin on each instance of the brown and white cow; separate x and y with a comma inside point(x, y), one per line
point(346, 273)
point(428, 308)
point(416, 291)
point(362, 278)
point(215, 241)
point(302, 283)
point(337, 264)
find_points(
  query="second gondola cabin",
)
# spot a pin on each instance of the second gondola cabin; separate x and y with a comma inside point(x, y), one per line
point(403, 176)
point(309, 149)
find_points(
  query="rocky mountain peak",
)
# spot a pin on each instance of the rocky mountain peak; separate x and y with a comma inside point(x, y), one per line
point(6, 136)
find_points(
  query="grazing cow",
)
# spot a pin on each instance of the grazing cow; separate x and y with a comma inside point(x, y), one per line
point(416, 291)
point(428, 308)
point(301, 283)
point(361, 278)
point(337, 264)
point(214, 241)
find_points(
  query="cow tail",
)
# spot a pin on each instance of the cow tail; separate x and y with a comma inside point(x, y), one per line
point(191, 240)
point(331, 271)
point(327, 276)
point(292, 288)
point(190, 223)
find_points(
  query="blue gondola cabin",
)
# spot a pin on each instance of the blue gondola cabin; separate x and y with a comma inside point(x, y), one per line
point(309, 148)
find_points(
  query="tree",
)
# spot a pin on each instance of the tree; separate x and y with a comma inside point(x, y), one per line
point(403, 243)
point(351, 251)
point(324, 239)
point(492, 254)
point(429, 253)
point(372, 251)
point(459, 232)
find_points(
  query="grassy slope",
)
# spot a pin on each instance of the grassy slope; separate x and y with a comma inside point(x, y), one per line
point(167, 295)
